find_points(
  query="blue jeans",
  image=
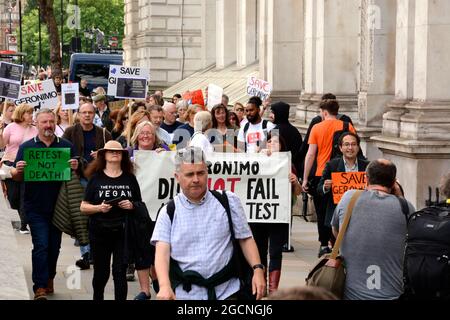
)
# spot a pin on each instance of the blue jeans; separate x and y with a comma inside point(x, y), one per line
point(46, 240)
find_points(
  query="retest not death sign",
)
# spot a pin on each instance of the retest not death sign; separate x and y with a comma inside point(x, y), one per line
point(47, 164)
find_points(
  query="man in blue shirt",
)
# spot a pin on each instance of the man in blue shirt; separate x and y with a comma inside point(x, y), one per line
point(39, 204)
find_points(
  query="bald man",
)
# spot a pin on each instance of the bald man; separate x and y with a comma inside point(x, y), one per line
point(170, 123)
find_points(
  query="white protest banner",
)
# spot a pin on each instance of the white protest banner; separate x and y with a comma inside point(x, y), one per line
point(128, 82)
point(260, 181)
point(214, 96)
point(70, 95)
point(10, 78)
point(42, 94)
point(259, 88)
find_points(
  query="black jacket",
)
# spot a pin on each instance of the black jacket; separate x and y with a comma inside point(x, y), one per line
point(335, 165)
point(289, 133)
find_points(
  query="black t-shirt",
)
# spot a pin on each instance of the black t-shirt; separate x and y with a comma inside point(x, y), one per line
point(102, 188)
point(89, 144)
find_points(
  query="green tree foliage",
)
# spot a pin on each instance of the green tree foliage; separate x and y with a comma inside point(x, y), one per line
point(107, 15)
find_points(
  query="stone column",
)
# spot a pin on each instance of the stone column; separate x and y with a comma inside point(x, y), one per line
point(131, 30)
point(208, 38)
point(281, 58)
point(226, 11)
point(247, 30)
point(377, 62)
point(404, 67)
point(331, 56)
point(422, 150)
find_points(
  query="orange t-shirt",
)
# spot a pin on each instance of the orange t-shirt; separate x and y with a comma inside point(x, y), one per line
point(322, 135)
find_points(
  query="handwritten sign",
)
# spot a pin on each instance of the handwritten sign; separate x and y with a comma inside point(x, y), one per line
point(47, 164)
point(259, 88)
point(344, 181)
point(197, 97)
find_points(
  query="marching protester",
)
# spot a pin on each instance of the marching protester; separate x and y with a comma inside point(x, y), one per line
point(234, 120)
point(87, 139)
point(203, 123)
point(182, 107)
point(136, 118)
point(145, 138)
point(320, 150)
point(170, 123)
point(121, 123)
point(239, 109)
point(109, 197)
point(39, 203)
point(184, 132)
point(102, 111)
point(270, 237)
point(13, 136)
point(176, 97)
point(349, 144)
point(253, 135)
point(223, 132)
point(156, 118)
point(8, 108)
point(63, 120)
point(201, 267)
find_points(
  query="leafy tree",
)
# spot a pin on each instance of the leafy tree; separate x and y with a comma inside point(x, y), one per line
point(106, 15)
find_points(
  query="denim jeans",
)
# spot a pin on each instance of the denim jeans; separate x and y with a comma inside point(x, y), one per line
point(46, 240)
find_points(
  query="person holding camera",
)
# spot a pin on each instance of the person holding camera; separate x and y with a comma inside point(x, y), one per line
point(109, 196)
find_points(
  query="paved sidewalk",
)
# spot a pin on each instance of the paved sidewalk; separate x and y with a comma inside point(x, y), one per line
point(295, 264)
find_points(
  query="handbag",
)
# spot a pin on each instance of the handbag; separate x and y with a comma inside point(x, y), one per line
point(329, 272)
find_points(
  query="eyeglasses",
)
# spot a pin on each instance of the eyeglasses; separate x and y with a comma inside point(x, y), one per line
point(240, 110)
point(349, 144)
point(146, 134)
point(85, 113)
point(125, 119)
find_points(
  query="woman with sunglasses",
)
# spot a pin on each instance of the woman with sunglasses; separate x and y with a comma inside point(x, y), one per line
point(109, 196)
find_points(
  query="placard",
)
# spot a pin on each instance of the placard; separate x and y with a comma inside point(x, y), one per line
point(259, 88)
point(344, 181)
point(128, 82)
point(47, 164)
point(70, 95)
point(10, 78)
point(41, 94)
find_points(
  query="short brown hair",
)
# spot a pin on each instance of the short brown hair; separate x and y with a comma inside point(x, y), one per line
point(330, 105)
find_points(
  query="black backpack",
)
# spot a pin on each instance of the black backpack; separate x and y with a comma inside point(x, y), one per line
point(426, 270)
point(244, 271)
point(335, 151)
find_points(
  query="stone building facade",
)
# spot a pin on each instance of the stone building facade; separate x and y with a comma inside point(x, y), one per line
point(386, 60)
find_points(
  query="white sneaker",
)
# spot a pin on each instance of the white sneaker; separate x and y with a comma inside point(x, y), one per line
point(24, 230)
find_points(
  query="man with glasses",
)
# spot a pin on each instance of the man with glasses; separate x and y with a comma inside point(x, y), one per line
point(349, 162)
point(87, 139)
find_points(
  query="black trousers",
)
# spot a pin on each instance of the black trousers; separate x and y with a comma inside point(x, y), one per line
point(104, 244)
point(270, 238)
point(325, 232)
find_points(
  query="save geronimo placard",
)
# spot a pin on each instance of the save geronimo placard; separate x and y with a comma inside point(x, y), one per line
point(344, 181)
point(128, 82)
point(261, 182)
point(47, 164)
point(259, 88)
point(41, 94)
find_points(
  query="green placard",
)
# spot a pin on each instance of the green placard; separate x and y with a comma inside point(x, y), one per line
point(47, 164)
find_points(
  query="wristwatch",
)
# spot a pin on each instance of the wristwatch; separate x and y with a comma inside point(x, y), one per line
point(259, 266)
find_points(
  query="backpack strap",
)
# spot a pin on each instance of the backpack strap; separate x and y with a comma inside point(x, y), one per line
point(264, 125)
point(223, 199)
point(246, 127)
point(170, 210)
point(345, 223)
